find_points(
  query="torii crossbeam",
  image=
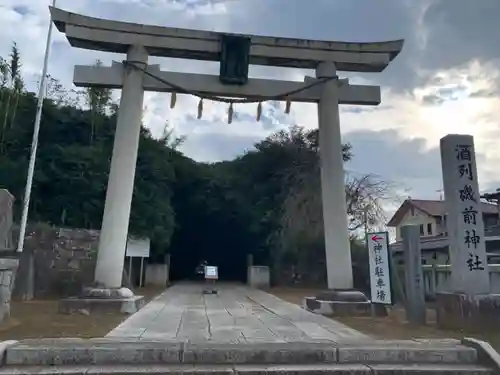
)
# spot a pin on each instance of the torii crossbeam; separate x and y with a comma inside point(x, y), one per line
point(209, 85)
point(140, 41)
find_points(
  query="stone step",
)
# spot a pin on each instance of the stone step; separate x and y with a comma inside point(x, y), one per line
point(329, 369)
point(55, 352)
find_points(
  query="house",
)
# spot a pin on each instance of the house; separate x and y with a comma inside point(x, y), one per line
point(430, 216)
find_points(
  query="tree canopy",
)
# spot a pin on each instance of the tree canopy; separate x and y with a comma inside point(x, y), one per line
point(266, 202)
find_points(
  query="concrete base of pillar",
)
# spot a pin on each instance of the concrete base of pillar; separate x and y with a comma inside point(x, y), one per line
point(343, 302)
point(473, 312)
point(106, 293)
point(102, 300)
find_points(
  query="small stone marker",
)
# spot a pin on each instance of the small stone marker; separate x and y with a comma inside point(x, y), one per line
point(469, 265)
point(414, 281)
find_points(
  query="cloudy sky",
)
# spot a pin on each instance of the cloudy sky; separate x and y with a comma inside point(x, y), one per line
point(446, 80)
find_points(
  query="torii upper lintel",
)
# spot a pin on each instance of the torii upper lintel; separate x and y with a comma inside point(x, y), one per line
point(115, 36)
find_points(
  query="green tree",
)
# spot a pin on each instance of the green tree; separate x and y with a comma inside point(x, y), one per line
point(296, 236)
point(98, 100)
point(71, 175)
point(11, 79)
point(16, 79)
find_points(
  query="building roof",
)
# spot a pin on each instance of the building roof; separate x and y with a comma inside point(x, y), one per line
point(431, 208)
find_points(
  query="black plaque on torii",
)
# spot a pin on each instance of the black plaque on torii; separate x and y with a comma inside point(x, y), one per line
point(234, 59)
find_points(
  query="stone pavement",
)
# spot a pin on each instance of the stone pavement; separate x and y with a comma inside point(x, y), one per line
point(237, 314)
point(185, 332)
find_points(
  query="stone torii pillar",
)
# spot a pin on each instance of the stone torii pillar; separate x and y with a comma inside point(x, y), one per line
point(235, 53)
point(115, 221)
point(335, 221)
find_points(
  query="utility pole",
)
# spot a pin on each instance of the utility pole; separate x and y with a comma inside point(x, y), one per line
point(365, 218)
point(440, 191)
point(364, 210)
point(34, 143)
point(442, 226)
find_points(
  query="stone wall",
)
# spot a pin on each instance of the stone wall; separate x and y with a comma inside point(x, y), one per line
point(59, 262)
point(8, 268)
point(6, 219)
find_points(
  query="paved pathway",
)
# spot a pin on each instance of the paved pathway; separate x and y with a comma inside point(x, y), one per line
point(237, 314)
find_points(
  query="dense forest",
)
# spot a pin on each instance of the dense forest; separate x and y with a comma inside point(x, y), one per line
point(265, 202)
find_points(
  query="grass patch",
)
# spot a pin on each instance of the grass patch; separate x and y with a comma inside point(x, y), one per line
point(40, 318)
point(394, 326)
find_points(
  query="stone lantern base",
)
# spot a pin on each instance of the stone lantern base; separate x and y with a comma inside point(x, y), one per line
point(98, 299)
point(343, 302)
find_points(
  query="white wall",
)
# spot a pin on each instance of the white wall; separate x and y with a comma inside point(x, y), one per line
point(428, 257)
point(417, 217)
point(437, 278)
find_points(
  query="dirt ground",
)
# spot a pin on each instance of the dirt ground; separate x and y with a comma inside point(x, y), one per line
point(39, 318)
point(394, 326)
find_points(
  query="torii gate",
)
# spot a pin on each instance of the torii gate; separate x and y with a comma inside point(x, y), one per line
point(235, 52)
